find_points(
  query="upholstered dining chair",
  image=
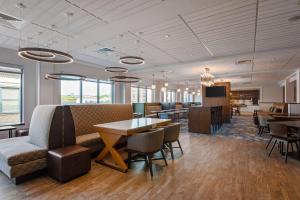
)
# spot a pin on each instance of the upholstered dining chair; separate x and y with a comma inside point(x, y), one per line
point(263, 126)
point(280, 133)
point(172, 135)
point(146, 144)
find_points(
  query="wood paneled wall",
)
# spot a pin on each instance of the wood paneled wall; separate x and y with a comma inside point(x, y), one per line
point(219, 101)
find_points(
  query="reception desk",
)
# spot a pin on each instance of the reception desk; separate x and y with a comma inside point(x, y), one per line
point(205, 119)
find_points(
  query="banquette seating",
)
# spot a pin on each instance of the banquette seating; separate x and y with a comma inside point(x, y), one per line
point(21, 157)
point(85, 116)
point(53, 127)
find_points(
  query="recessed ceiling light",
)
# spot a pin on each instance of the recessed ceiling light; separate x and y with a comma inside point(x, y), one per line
point(20, 5)
point(294, 18)
point(167, 36)
point(69, 14)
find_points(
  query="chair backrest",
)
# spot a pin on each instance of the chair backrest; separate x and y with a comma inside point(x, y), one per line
point(262, 119)
point(171, 132)
point(40, 125)
point(147, 142)
point(278, 129)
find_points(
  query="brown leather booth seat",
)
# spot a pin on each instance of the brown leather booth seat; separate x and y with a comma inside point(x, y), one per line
point(84, 117)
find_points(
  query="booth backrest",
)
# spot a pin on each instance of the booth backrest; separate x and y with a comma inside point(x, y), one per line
point(86, 116)
point(281, 106)
point(40, 124)
point(149, 108)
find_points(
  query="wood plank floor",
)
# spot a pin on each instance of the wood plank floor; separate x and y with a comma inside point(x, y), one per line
point(211, 168)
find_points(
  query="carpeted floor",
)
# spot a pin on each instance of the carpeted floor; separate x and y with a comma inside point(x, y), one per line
point(241, 127)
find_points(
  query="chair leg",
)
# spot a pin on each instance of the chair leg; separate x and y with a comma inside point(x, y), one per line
point(262, 131)
point(292, 146)
point(269, 142)
point(171, 150)
point(272, 147)
point(164, 157)
point(146, 160)
point(180, 146)
point(287, 151)
point(259, 130)
point(150, 164)
point(129, 160)
point(298, 149)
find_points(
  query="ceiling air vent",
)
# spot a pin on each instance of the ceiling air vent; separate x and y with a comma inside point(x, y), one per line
point(247, 83)
point(105, 51)
point(243, 62)
point(9, 21)
point(245, 76)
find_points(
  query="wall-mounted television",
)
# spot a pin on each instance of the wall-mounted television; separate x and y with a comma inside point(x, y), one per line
point(215, 91)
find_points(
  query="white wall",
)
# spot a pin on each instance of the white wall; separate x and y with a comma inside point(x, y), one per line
point(268, 93)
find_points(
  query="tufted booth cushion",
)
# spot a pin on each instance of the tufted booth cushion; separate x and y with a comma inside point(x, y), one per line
point(86, 116)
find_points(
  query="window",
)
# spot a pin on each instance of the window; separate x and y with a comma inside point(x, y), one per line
point(185, 96)
point(89, 91)
point(142, 95)
point(70, 92)
point(173, 96)
point(105, 91)
point(149, 95)
point(10, 96)
point(134, 95)
point(169, 96)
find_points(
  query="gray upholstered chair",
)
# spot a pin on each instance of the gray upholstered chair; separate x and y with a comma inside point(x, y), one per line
point(146, 144)
point(280, 133)
point(263, 126)
point(171, 135)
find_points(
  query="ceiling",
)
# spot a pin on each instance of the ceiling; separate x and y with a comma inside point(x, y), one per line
point(180, 36)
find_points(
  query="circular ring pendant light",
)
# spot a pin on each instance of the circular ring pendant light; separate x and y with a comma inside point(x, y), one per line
point(125, 79)
point(116, 69)
point(65, 76)
point(45, 55)
point(132, 60)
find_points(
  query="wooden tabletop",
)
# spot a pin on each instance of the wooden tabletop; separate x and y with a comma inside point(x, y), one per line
point(6, 128)
point(287, 116)
point(295, 124)
point(128, 127)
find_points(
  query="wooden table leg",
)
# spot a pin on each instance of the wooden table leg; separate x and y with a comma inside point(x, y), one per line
point(110, 140)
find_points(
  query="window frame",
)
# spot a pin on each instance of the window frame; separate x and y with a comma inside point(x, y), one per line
point(138, 94)
point(21, 73)
point(98, 81)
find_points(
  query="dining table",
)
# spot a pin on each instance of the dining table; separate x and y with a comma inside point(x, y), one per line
point(111, 133)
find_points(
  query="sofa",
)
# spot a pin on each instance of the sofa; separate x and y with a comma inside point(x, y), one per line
point(22, 157)
point(84, 117)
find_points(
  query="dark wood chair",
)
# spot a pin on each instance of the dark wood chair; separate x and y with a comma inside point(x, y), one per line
point(280, 133)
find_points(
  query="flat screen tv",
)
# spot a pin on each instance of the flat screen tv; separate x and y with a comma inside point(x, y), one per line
point(216, 91)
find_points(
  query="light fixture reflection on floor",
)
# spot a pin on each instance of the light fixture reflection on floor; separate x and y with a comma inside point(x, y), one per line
point(132, 60)
point(65, 76)
point(45, 55)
